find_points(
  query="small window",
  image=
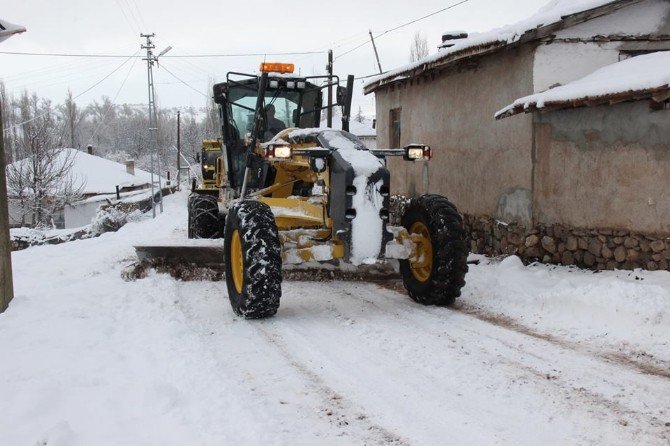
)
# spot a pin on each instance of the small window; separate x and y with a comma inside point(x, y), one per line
point(627, 54)
point(395, 128)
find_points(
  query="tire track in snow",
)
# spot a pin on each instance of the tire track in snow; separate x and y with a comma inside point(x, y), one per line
point(659, 368)
point(336, 407)
point(572, 392)
point(649, 364)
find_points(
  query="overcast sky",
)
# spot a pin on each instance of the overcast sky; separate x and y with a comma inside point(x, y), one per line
point(220, 27)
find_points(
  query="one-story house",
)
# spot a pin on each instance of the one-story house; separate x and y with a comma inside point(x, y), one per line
point(98, 178)
point(580, 178)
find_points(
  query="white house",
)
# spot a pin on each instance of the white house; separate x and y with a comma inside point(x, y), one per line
point(99, 178)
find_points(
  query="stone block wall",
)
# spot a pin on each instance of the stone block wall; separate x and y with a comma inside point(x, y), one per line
point(597, 249)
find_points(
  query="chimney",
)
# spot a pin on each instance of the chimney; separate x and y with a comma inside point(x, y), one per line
point(449, 37)
point(130, 167)
point(89, 149)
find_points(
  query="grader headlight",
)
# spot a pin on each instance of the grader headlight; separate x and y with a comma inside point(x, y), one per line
point(278, 151)
point(418, 152)
point(282, 152)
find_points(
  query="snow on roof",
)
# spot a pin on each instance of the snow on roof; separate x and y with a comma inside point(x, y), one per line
point(99, 175)
point(549, 17)
point(8, 29)
point(635, 78)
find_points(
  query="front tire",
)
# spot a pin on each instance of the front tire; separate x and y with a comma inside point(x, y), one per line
point(204, 220)
point(253, 260)
point(436, 275)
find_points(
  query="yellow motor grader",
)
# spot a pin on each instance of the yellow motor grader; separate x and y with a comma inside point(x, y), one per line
point(279, 189)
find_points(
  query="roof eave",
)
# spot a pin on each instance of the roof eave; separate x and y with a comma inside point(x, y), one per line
point(657, 94)
point(529, 36)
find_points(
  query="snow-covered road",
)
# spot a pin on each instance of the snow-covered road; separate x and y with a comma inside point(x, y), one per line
point(531, 355)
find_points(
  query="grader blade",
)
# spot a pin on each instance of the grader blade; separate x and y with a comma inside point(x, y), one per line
point(200, 252)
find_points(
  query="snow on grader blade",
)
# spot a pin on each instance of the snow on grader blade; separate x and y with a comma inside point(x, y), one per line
point(280, 190)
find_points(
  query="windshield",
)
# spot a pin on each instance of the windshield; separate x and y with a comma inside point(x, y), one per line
point(280, 105)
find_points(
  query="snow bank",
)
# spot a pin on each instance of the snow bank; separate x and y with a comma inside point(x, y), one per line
point(94, 360)
point(637, 74)
point(616, 310)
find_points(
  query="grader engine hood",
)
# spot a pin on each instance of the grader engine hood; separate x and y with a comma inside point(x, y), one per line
point(359, 202)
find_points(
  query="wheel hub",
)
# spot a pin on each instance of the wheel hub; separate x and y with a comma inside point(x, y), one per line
point(237, 261)
point(421, 264)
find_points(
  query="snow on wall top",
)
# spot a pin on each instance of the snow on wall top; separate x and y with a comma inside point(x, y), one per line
point(551, 14)
point(8, 29)
point(100, 175)
point(636, 75)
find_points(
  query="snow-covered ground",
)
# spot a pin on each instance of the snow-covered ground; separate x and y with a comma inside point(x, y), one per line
point(530, 355)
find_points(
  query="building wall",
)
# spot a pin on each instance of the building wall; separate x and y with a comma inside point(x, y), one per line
point(484, 166)
point(604, 167)
point(81, 214)
point(581, 49)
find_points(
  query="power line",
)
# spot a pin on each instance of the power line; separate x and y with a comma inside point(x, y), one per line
point(109, 107)
point(19, 53)
point(79, 95)
point(402, 26)
point(185, 83)
point(288, 53)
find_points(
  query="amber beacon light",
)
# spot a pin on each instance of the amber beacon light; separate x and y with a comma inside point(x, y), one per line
point(276, 67)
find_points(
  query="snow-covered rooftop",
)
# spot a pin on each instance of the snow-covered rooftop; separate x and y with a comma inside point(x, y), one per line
point(548, 19)
point(8, 29)
point(100, 175)
point(639, 77)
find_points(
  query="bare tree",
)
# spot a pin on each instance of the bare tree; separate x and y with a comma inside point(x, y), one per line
point(359, 116)
point(419, 47)
point(73, 117)
point(41, 181)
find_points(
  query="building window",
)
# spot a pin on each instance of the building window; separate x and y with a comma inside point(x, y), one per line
point(627, 54)
point(395, 128)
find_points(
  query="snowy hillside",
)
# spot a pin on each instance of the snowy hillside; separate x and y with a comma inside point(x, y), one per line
point(530, 355)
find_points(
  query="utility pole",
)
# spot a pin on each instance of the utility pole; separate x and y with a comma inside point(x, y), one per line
point(6, 282)
point(178, 150)
point(372, 39)
point(329, 69)
point(153, 123)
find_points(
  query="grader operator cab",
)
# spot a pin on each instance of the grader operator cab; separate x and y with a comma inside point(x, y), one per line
point(284, 190)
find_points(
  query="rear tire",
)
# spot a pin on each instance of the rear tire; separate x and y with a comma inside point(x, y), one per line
point(253, 260)
point(438, 278)
point(204, 220)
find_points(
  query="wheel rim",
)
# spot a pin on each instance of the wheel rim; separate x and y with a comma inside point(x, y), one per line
point(237, 261)
point(421, 265)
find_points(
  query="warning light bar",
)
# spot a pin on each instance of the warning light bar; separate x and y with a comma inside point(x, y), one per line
point(276, 67)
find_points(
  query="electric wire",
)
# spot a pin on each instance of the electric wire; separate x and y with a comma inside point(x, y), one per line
point(185, 83)
point(109, 107)
point(390, 30)
point(182, 56)
point(75, 97)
